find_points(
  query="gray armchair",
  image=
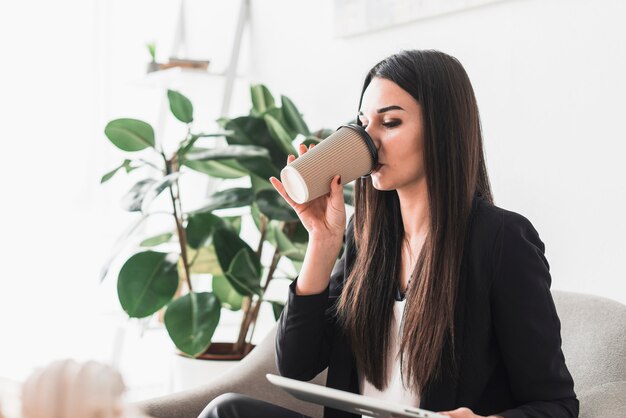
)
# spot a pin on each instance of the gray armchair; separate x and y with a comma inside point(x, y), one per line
point(594, 343)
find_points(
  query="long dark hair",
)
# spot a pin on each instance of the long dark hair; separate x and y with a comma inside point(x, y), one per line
point(455, 171)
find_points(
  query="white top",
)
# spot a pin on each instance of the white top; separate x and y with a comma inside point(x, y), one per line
point(395, 392)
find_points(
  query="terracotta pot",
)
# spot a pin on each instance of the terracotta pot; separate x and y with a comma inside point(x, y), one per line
point(224, 352)
point(221, 352)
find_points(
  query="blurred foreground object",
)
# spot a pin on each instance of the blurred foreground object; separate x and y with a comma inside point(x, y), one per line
point(67, 389)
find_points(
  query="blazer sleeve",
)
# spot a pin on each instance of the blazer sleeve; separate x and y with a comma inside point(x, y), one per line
point(527, 326)
point(306, 326)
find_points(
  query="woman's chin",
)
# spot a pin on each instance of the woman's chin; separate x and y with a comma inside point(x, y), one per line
point(379, 184)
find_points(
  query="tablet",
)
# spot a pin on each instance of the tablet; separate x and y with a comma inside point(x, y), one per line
point(346, 401)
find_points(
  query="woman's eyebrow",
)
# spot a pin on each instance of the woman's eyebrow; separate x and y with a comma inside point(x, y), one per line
point(384, 109)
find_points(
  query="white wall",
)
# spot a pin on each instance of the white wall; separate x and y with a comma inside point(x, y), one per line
point(549, 77)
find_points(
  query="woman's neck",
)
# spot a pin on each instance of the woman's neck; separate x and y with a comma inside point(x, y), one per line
point(414, 206)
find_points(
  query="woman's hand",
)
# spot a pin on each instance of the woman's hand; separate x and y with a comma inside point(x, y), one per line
point(325, 220)
point(325, 217)
point(464, 413)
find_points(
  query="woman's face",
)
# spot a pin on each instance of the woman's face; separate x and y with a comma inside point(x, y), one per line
point(393, 118)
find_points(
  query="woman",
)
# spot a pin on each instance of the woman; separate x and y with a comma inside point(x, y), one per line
point(441, 300)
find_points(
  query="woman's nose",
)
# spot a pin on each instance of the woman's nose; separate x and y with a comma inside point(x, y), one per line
point(371, 132)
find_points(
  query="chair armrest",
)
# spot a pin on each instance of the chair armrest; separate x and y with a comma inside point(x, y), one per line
point(247, 377)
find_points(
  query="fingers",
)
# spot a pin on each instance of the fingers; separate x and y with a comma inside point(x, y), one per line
point(336, 192)
point(281, 190)
point(459, 413)
point(301, 150)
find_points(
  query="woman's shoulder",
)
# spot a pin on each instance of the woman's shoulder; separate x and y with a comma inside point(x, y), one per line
point(502, 239)
point(492, 224)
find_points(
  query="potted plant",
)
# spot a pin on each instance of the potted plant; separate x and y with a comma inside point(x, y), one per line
point(153, 280)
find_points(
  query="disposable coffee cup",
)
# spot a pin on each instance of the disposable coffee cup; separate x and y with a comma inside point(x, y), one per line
point(348, 152)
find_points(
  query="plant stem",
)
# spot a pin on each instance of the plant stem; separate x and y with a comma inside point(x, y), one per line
point(270, 276)
point(195, 257)
point(239, 347)
point(245, 321)
point(254, 312)
point(171, 167)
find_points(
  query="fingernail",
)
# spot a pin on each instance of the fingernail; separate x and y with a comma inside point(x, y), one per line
point(339, 180)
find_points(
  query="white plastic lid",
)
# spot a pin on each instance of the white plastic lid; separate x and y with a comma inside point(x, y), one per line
point(294, 184)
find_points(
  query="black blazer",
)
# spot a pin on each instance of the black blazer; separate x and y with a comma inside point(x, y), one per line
point(507, 332)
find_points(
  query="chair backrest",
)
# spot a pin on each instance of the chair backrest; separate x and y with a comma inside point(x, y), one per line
point(593, 332)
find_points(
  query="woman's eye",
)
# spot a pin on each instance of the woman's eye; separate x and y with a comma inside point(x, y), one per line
point(391, 124)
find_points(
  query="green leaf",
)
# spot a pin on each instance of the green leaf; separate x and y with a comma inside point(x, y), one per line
point(310, 140)
point(261, 167)
point(250, 130)
point(200, 227)
point(157, 240)
point(243, 274)
point(280, 135)
point(191, 321)
point(260, 183)
point(147, 282)
point(185, 146)
point(277, 308)
point(270, 233)
point(277, 113)
point(128, 167)
point(188, 144)
point(233, 222)
point(205, 261)
point(110, 174)
point(230, 298)
point(224, 169)
point(301, 235)
point(134, 197)
point(152, 50)
point(180, 106)
point(262, 99)
point(230, 198)
point(256, 215)
point(292, 116)
point(285, 246)
point(243, 130)
point(238, 152)
point(155, 190)
point(227, 244)
point(272, 205)
point(130, 134)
